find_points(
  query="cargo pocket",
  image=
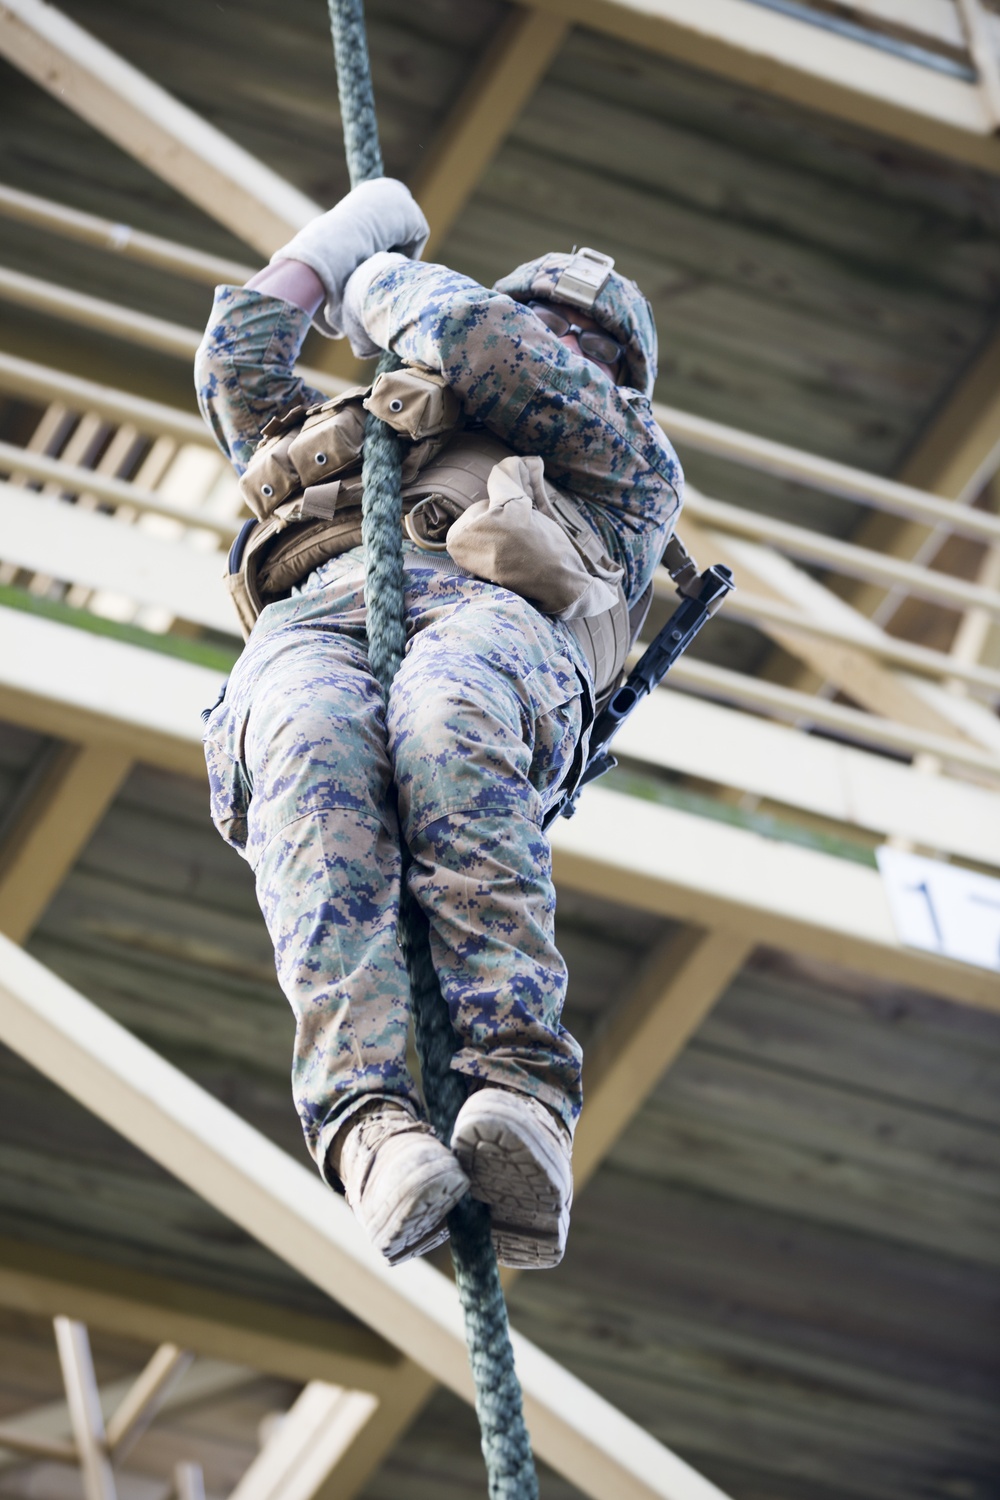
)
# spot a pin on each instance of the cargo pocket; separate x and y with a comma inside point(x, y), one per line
point(560, 710)
point(228, 783)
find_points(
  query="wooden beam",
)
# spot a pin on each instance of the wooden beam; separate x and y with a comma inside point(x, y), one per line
point(121, 239)
point(124, 323)
point(679, 985)
point(299, 1460)
point(286, 1207)
point(189, 1481)
point(813, 67)
point(512, 66)
point(98, 313)
point(960, 448)
point(117, 99)
point(219, 1326)
point(970, 405)
point(956, 455)
point(145, 1397)
point(20, 1445)
point(203, 1382)
point(758, 694)
point(67, 802)
point(923, 660)
point(973, 635)
point(84, 688)
point(376, 1438)
point(85, 1409)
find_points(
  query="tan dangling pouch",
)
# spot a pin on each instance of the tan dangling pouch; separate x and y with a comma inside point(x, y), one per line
point(513, 539)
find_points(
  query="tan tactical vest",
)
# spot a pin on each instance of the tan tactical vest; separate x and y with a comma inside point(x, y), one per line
point(465, 494)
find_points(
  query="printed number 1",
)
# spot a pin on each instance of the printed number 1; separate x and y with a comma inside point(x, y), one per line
point(923, 889)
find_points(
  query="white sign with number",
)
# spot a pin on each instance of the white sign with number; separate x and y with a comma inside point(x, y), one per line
point(943, 908)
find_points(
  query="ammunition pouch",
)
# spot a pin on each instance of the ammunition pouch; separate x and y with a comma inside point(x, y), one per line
point(464, 493)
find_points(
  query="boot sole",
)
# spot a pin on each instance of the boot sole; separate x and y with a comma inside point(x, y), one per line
point(528, 1189)
point(421, 1224)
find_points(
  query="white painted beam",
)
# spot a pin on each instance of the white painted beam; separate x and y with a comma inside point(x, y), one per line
point(313, 1437)
point(121, 239)
point(85, 1409)
point(982, 48)
point(898, 699)
point(61, 681)
point(71, 479)
point(286, 1207)
point(686, 430)
point(813, 711)
point(189, 1482)
point(757, 610)
point(81, 687)
point(201, 162)
point(713, 875)
point(680, 733)
point(846, 558)
point(124, 323)
point(793, 59)
point(82, 546)
point(30, 381)
point(98, 313)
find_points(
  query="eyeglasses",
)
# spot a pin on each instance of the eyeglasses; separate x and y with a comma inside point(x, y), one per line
point(594, 345)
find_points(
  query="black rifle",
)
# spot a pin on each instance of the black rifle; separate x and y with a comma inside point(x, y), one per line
point(701, 596)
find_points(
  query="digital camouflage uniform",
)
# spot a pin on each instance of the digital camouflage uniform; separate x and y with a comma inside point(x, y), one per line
point(483, 722)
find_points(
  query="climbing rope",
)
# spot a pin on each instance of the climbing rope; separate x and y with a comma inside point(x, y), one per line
point(506, 1447)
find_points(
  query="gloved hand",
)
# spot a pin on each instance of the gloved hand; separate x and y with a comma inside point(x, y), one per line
point(381, 214)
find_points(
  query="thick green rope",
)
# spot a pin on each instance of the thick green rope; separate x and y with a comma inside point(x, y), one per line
point(506, 1447)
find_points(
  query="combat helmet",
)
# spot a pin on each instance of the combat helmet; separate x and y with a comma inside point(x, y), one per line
point(587, 280)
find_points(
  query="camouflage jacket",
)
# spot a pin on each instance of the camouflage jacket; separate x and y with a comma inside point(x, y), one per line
point(599, 441)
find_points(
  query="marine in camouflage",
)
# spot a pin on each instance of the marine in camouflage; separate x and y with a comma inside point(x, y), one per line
point(312, 777)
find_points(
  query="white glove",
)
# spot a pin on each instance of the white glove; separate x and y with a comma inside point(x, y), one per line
point(381, 214)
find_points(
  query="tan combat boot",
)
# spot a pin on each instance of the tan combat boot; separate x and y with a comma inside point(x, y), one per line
point(399, 1179)
point(518, 1155)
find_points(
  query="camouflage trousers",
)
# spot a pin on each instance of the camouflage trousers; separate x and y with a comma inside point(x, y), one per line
point(484, 721)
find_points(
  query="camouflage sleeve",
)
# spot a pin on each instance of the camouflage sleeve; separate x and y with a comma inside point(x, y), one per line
point(599, 441)
point(244, 370)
